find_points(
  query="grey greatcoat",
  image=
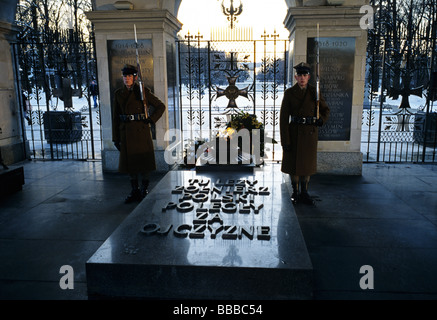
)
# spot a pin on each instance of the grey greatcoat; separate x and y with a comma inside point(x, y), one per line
point(301, 157)
point(136, 146)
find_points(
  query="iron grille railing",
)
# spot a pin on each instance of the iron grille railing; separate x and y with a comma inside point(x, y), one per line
point(62, 122)
point(399, 115)
point(220, 78)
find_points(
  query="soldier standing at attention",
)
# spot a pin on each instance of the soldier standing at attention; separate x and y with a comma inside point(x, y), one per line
point(131, 132)
point(299, 132)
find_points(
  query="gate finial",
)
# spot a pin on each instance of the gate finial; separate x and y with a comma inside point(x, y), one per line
point(232, 12)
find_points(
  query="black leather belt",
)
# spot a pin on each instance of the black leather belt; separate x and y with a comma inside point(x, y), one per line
point(303, 120)
point(133, 117)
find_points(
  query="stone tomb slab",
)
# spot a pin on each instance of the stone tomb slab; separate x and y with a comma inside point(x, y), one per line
point(211, 235)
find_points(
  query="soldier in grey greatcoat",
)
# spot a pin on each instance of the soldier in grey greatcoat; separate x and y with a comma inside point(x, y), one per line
point(299, 132)
point(131, 132)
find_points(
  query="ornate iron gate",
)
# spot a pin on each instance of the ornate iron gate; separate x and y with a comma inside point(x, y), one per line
point(397, 131)
point(400, 116)
point(61, 113)
point(220, 78)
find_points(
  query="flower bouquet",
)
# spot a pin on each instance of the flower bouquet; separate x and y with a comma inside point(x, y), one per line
point(246, 136)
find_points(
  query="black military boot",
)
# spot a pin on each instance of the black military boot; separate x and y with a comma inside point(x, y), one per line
point(304, 196)
point(144, 188)
point(295, 193)
point(135, 194)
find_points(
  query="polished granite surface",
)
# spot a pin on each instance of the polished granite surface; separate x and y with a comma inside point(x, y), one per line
point(386, 218)
point(239, 222)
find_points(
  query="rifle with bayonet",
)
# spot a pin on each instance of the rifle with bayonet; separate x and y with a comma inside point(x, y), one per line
point(317, 75)
point(140, 78)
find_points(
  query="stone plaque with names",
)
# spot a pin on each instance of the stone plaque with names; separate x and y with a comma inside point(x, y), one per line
point(336, 64)
point(214, 235)
point(121, 52)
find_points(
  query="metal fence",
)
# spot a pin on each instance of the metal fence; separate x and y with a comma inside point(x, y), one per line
point(218, 79)
point(61, 111)
point(393, 135)
point(399, 115)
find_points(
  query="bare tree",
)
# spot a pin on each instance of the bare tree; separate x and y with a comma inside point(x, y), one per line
point(404, 37)
point(54, 43)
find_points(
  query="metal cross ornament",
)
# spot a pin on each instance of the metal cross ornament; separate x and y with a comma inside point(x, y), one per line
point(232, 93)
point(405, 92)
point(404, 114)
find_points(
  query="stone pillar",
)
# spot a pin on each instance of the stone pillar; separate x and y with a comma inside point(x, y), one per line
point(339, 24)
point(12, 144)
point(156, 28)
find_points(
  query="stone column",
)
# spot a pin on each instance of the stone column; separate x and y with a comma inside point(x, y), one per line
point(338, 24)
point(156, 27)
point(12, 145)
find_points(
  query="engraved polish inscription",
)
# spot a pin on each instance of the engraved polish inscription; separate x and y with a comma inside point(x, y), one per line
point(208, 203)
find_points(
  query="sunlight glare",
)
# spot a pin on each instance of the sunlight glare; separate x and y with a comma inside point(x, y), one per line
point(199, 16)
